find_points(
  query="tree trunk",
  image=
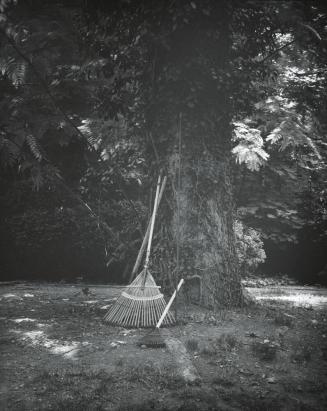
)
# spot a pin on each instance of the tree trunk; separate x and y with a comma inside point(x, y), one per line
point(206, 236)
point(192, 72)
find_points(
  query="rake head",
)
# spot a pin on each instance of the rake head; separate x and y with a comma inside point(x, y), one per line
point(140, 305)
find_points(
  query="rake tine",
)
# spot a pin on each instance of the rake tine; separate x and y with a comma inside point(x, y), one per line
point(137, 308)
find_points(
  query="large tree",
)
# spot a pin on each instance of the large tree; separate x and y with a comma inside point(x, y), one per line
point(150, 75)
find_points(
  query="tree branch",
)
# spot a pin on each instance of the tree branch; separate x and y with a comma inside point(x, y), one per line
point(312, 30)
point(293, 41)
point(277, 50)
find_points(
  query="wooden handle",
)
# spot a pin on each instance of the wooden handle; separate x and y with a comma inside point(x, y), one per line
point(172, 298)
point(145, 239)
point(153, 218)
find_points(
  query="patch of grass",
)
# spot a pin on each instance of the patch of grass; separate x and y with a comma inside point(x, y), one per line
point(77, 403)
point(265, 351)
point(223, 381)
point(226, 376)
point(93, 383)
point(6, 340)
point(202, 394)
point(120, 362)
point(75, 388)
point(301, 354)
point(253, 403)
point(225, 342)
point(148, 405)
point(222, 315)
point(165, 377)
point(192, 344)
point(282, 320)
point(72, 372)
point(217, 317)
point(209, 350)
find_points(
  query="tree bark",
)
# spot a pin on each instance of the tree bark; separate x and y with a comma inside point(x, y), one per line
point(207, 239)
point(193, 78)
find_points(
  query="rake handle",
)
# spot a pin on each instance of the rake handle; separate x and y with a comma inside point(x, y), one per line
point(153, 218)
point(145, 239)
point(172, 298)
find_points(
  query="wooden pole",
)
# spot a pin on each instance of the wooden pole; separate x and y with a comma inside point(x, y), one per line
point(169, 304)
point(147, 257)
point(145, 239)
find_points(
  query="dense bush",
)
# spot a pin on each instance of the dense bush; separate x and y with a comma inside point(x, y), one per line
point(249, 248)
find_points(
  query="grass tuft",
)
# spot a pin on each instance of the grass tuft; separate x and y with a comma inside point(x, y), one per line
point(154, 375)
point(302, 355)
point(283, 320)
point(120, 362)
point(265, 351)
point(192, 344)
point(225, 343)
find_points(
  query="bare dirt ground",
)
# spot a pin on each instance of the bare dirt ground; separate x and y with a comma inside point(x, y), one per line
point(58, 354)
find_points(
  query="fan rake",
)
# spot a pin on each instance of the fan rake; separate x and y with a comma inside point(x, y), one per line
point(141, 304)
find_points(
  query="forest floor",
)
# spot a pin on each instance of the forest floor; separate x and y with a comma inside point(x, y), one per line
point(58, 354)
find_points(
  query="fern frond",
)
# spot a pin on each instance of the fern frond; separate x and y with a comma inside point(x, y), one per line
point(242, 132)
point(249, 150)
point(4, 4)
point(51, 172)
point(291, 134)
point(34, 147)
point(86, 130)
point(9, 151)
point(252, 157)
point(19, 74)
point(313, 147)
point(14, 70)
point(37, 177)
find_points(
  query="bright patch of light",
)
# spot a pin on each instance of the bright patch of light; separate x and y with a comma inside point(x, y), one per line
point(299, 75)
point(40, 325)
point(296, 296)
point(39, 339)
point(21, 320)
point(283, 39)
point(297, 300)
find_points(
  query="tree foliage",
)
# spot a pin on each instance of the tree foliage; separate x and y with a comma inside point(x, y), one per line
point(285, 115)
point(91, 95)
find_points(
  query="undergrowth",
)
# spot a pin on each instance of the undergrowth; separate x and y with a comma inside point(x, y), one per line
point(164, 377)
point(225, 343)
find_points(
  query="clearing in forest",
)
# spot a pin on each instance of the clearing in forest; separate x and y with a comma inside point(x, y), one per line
point(57, 353)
